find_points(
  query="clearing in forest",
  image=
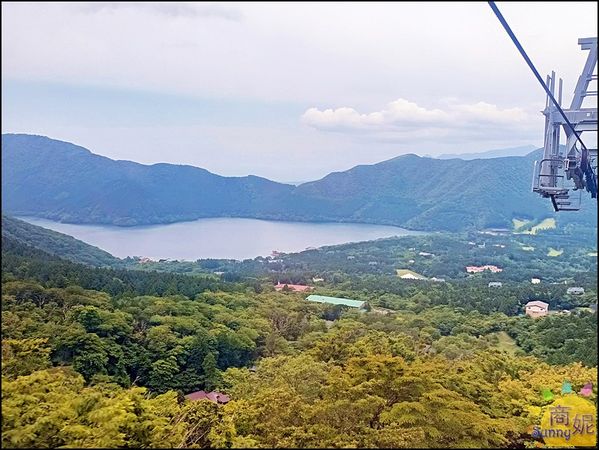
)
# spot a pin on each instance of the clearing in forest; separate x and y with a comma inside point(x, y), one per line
point(409, 275)
point(545, 224)
point(554, 252)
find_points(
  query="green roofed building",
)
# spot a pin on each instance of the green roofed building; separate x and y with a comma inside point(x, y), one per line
point(336, 301)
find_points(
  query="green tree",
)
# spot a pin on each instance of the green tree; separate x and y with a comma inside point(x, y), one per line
point(212, 376)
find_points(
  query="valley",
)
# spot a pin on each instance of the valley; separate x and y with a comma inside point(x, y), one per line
point(81, 324)
point(281, 225)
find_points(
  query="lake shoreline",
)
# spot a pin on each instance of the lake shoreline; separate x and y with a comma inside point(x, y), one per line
point(219, 238)
point(263, 217)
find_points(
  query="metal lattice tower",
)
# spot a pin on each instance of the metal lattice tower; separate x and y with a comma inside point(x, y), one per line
point(570, 162)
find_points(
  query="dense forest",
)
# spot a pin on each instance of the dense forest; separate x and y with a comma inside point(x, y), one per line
point(102, 357)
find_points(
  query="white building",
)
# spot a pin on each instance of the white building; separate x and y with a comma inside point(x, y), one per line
point(535, 280)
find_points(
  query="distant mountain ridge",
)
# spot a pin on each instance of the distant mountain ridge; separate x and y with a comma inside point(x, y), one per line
point(61, 181)
point(497, 153)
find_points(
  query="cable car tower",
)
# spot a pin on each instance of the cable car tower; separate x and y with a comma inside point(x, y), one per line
point(574, 161)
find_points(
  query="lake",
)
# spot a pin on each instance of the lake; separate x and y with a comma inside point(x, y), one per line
point(220, 237)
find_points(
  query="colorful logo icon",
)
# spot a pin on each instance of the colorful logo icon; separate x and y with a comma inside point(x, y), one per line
point(587, 390)
point(570, 420)
point(566, 388)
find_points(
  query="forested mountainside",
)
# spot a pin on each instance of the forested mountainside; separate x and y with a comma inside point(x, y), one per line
point(56, 180)
point(531, 250)
point(96, 357)
point(62, 181)
point(55, 243)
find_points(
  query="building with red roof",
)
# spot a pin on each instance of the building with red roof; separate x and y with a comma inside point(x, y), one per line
point(478, 269)
point(294, 287)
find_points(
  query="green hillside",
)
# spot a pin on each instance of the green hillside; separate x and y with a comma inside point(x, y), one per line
point(61, 181)
point(55, 243)
point(102, 358)
point(432, 194)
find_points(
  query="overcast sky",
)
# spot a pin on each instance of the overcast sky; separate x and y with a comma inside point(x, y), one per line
point(289, 91)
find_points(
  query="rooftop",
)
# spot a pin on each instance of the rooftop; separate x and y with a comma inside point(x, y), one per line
point(538, 303)
point(293, 287)
point(216, 397)
point(335, 301)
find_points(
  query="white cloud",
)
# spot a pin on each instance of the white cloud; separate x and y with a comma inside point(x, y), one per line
point(442, 56)
point(358, 53)
point(170, 9)
point(403, 120)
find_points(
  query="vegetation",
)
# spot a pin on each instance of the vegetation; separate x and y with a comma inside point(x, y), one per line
point(505, 343)
point(58, 244)
point(545, 224)
point(24, 262)
point(123, 346)
point(519, 223)
point(447, 256)
point(101, 357)
point(68, 178)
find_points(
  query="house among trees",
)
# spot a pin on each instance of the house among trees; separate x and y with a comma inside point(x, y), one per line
point(537, 308)
point(495, 231)
point(495, 284)
point(293, 287)
point(215, 397)
point(575, 290)
point(478, 269)
point(145, 260)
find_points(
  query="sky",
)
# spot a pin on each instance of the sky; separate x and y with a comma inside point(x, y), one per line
point(288, 91)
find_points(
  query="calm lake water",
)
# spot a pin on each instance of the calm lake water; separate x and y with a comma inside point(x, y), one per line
point(219, 238)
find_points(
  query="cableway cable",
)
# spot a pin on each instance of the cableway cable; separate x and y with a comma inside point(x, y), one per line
point(591, 183)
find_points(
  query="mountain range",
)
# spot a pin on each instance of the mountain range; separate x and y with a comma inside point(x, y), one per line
point(522, 150)
point(58, 180)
